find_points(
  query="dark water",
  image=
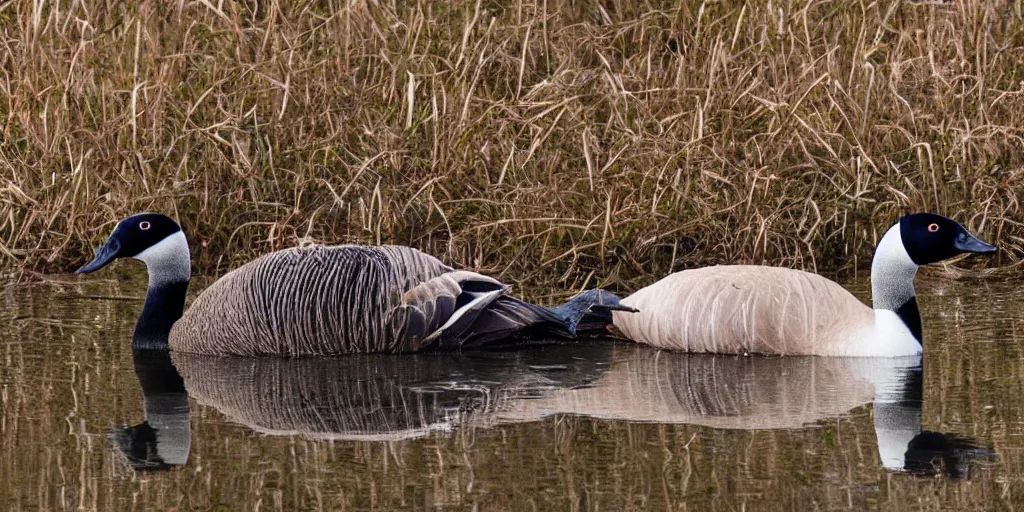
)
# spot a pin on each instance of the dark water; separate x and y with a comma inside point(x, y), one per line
point(86, 424)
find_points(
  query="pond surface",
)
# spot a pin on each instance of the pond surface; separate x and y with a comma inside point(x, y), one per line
point(87, 424)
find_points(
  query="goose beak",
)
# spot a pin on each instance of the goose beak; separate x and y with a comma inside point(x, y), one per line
point(966, 242)
point(104, 255)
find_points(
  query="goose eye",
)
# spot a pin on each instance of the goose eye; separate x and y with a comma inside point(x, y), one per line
point(932, 228)
point(144, 225)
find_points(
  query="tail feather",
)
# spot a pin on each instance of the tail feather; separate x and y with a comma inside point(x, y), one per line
point(590, 311)
point(508, 317)
point(505, 319)
point(461, 324)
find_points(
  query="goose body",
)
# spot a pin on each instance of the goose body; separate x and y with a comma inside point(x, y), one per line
point(763, 310)
point(329, 300)
point(739, 309)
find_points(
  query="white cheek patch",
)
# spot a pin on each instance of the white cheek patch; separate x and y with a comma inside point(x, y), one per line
point(892, 251)
point(892, 272)
point(168, 260)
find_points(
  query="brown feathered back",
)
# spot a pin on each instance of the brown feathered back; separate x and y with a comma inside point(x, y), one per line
point(738, 309)
point(316, 301)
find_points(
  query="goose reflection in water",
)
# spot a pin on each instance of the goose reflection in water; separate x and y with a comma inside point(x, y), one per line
point(758, 393)
point(380, 396)
point(372, 397)
point(164, 438)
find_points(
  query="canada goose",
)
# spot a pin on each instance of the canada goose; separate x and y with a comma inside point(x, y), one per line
point(328, 300)
point(739, 309)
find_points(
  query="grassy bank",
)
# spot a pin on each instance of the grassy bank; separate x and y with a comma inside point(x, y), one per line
point(543, 142)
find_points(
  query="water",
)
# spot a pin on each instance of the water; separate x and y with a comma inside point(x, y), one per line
point(87, 424)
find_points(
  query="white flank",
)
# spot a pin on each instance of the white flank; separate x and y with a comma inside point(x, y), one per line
point(887, 336)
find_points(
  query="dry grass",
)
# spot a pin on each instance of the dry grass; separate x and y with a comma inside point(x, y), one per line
point(574, 142)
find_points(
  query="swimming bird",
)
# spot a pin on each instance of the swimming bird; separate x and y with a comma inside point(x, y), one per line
point(741, 309)
point(329, 300)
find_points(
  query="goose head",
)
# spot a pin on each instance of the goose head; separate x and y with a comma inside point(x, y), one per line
point(157, 241)
point(930, 238)
point(151, 238)
point(917, 239)
point(591, 310)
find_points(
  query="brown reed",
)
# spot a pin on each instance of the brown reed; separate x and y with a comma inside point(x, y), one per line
point(572, 142)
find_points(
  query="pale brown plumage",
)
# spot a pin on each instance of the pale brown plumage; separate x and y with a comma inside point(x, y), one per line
point(739, 309)
point(335, 300)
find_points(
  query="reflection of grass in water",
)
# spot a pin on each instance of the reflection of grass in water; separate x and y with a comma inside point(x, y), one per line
point(828, 438)
point(530, 140)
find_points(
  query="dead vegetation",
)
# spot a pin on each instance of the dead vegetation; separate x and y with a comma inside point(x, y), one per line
point(569, 142)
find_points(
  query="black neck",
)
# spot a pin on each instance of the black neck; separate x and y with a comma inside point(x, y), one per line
point(910, 315)
point(164, 305)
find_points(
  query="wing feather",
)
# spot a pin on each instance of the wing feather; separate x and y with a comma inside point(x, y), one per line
point(306, 301)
